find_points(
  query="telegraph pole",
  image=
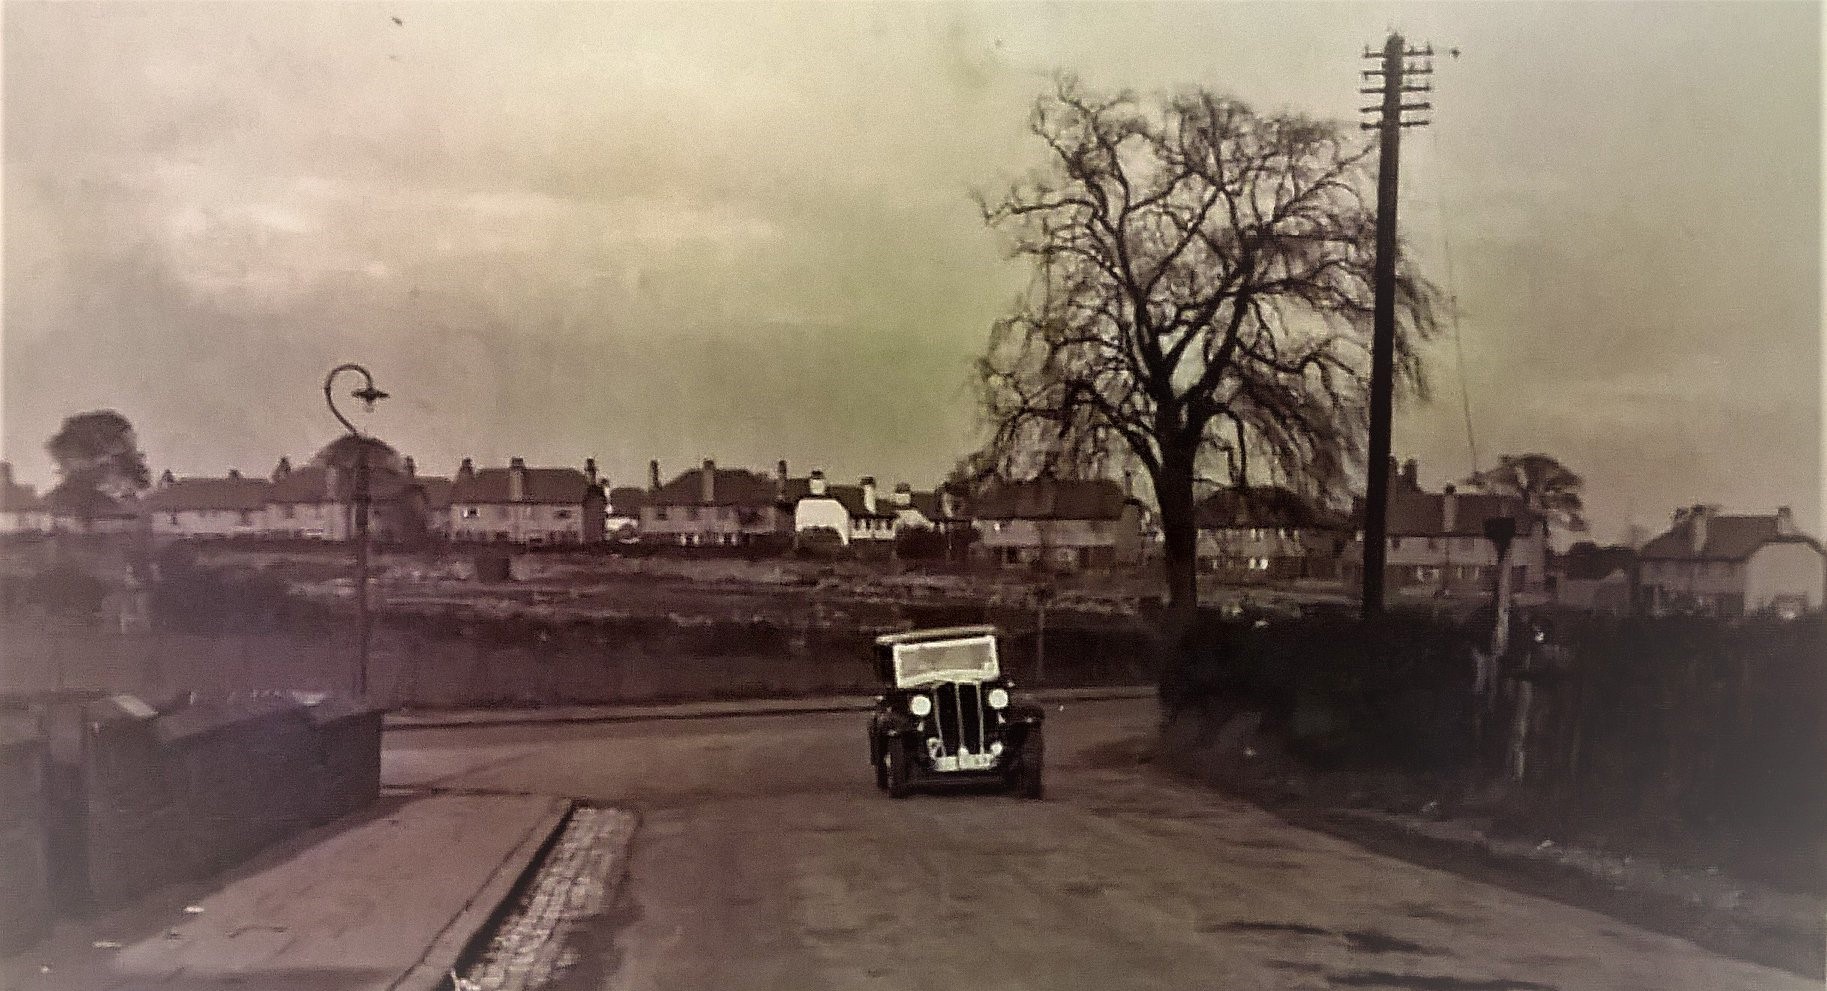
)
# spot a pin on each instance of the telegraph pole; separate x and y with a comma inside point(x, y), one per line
point(1395, 71)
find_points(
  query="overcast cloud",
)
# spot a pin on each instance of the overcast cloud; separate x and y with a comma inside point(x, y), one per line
point(744, 232)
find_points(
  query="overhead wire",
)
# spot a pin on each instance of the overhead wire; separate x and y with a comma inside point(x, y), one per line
point(1446, 252)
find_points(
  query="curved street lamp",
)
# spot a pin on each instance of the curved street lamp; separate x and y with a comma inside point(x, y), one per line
point(369, 395)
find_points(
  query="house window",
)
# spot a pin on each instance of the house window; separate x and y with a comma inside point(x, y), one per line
point(247, 518)
point(1395, 543)
point(471, 512)
point(561, 514)
point(659, 512)
point(288, 511)
point(691, 514)
point(174, 519)
point(1433, 544)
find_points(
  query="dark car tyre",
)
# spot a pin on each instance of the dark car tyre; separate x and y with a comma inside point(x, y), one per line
point(1028, 781)
point(895, 770)
point(875, 760)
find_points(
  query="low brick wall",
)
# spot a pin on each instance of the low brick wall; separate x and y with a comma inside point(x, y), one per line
point(139, 797)
point(25, 893)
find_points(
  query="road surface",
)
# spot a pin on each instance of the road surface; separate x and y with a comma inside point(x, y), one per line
point(766, 859)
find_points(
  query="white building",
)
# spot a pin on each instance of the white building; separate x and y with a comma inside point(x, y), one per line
point(854, 512)
point(1731, 564)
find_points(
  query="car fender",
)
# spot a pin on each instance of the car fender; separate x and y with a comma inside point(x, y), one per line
point(1026, 713)
point(892, 723)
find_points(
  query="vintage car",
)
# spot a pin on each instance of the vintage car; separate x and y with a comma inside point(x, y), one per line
point(946, 715)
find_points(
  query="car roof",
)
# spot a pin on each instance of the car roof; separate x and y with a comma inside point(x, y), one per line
point(939, 633)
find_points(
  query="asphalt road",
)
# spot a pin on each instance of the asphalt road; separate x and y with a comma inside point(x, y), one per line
point(766, 859)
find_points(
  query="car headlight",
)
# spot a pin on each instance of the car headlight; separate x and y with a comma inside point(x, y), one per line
point(919, 705)
point(999, 698)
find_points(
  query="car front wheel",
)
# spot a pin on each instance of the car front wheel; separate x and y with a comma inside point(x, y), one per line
point(1027, 781)
point(895, 771)
point(875, 761)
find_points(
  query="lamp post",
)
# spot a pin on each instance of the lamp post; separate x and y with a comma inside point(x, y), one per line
point(369, 395)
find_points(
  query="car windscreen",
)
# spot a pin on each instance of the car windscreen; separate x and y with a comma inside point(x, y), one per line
point(972, 659)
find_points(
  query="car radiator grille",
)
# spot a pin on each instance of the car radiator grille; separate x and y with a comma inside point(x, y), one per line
point(962, 717)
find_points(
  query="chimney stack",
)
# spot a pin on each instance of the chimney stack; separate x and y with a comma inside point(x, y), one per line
point(1411, 474)
point(653, 476)
point(815, 485)
point(165, 479)
point(6, 474)
point(517, 480)
point(590, 470)
point(1696, 522)
point(466, 472)
point(331, 478)
point(1785, 522)
point(948, 503)
point(411, 467)
point(869, 494)
point(1449, 509)
point(780, 480)
point(707, 483)
point(234, 473)
point(903, 495)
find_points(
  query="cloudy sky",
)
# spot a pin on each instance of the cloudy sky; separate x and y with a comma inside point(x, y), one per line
point(744, 231)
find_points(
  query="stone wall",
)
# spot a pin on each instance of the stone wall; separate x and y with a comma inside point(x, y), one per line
point(138, 796)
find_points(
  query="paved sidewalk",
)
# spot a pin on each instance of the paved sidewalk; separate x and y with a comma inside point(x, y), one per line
point(385, 902)
point(440, 718)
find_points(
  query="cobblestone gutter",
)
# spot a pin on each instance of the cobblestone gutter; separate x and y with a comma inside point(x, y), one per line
point(533, 947)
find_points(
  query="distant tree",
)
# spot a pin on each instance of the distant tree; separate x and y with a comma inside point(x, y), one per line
point(972, 474)
point(98, 460)
point(819, 542)
point(1202, 294)
point(1542, 484)
point(344, 451)
point(920, 543)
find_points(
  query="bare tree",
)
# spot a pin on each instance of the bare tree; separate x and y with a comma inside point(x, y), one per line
point(1202, 298)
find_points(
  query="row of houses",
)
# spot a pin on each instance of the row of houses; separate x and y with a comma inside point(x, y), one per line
point(1706, 561)
point(1070, 523)
point(317, 502)
point(1725, 564)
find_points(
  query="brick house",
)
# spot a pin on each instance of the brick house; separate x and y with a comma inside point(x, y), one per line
point(1730, 565)
point(1436, 542)
point(21, 508)
point(1059, 523)
point(231, 506)
point(434, 493)
point(939, 510)
point(532, 506)
point(1267, 533)
point(719, 507)
point(317, 502)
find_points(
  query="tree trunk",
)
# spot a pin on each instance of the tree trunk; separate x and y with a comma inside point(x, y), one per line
point(1179, 532)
